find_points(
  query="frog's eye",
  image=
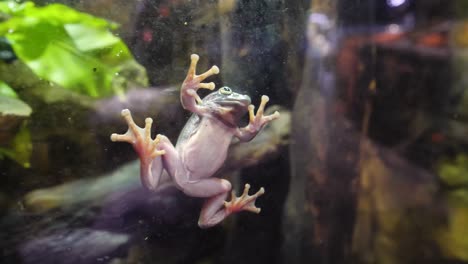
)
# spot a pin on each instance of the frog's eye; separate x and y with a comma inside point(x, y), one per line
point(225, 90)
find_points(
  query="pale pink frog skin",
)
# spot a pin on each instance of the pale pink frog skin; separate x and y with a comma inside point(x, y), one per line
point(202, 146)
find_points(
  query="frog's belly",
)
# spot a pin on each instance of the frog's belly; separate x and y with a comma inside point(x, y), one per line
point(203, 156)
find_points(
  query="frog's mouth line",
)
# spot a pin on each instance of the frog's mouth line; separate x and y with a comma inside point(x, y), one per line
point(235, 103)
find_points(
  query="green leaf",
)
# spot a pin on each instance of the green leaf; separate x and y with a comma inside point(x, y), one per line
point(84, 37)
point(7, 91)
point(12, 114)
point(20, 148)
point(12, 7)
point(13, 106)
point(454, 172)
point(453, 239)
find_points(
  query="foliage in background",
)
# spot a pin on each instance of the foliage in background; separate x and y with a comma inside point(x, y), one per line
point(70, 48)
point(454, 173)
point(19, 148)
point(15, 138)
point(453, 238)
point(6, 90)
point(68, 51)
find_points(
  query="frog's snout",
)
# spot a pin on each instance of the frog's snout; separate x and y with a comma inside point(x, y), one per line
point(237, 100)
point(247, 100)
point(244, 103)
point(243, 99)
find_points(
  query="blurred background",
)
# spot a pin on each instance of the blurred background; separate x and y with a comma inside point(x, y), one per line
point(367, 164)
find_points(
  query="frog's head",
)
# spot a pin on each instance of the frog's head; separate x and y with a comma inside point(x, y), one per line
point(227, 105)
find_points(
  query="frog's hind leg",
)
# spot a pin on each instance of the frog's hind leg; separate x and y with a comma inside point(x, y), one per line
point(213, 211)
point(216, 209)
point(207, 187)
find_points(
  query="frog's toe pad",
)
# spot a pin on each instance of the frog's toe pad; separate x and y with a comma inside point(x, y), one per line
point(118, 137)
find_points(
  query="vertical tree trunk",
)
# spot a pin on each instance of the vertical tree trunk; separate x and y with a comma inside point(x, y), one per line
point(320, 207)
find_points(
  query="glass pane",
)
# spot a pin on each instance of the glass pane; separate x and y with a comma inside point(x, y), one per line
point(233, 131)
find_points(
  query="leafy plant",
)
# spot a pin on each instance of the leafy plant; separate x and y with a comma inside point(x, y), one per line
point(61, 46)
point(454, 173)
point(13, 111)
point(73, 49)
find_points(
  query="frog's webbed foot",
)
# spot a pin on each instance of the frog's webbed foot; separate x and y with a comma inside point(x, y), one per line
point(140, 138)
point(193, 82)
point(245, 202)
point(257, 121)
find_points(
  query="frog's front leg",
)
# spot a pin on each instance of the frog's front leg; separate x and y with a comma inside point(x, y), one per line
point(188, 93)
point(256, 122)
point(147, 149)
point(216, 209)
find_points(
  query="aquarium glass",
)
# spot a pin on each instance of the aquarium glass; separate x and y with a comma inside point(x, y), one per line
point(233, 131)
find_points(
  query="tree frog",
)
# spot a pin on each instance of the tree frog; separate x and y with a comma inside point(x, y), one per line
point(202, 146)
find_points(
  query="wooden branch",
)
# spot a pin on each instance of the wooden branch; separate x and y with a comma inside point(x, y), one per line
point(265, 146)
